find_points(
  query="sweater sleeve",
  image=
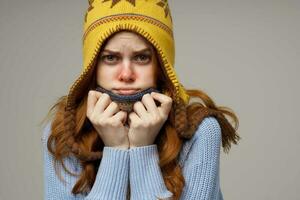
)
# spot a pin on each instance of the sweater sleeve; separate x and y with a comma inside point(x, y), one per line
point(111, 179)
point(146, 181)
point(201, 167)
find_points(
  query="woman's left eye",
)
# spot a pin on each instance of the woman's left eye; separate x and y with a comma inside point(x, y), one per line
point(142, 58)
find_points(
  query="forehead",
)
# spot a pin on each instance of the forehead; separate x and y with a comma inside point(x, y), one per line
point(127, 39)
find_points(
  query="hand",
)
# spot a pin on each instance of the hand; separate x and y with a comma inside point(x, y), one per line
point(107, 119)
point(144, 125)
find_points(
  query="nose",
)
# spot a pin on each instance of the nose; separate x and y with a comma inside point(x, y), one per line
point(127, 74)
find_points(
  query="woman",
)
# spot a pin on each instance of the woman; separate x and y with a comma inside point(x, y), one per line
point(163, 147)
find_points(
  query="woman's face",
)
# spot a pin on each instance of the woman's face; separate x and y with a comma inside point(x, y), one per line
point(127, 64)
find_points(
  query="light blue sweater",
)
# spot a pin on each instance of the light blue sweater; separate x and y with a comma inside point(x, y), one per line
point(199, 159)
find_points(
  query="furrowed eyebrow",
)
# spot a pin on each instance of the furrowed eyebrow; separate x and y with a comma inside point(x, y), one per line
point(135, 52)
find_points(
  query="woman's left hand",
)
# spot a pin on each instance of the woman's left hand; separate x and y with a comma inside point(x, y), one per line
point(147, 119)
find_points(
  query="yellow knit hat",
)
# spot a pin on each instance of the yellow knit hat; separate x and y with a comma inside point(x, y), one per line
point(149, 18)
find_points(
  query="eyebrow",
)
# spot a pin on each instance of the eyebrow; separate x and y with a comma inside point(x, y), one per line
point(147, 49)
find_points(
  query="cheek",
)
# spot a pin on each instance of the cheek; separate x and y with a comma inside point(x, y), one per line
point(104, 75)
point(148, 76)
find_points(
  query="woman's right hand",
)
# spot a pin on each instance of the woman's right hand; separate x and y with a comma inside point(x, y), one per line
point(107, 119)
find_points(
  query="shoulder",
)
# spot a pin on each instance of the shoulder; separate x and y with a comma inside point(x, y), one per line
point(209, 129)
point(205, 141)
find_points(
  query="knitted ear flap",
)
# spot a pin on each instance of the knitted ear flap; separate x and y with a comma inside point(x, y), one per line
point(177, 116)
point(69, 125)
point(180, 119)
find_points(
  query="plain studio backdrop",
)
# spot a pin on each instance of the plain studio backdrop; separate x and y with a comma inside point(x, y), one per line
point(244, 54)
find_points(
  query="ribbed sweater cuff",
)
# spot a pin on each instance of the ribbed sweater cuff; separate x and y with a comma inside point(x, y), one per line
point(146, 181)
point(112, 176)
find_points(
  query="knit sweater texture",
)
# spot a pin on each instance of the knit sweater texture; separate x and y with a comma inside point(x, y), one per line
point(199, 159)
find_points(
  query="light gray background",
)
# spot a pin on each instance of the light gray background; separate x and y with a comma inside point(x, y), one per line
point(244, 54)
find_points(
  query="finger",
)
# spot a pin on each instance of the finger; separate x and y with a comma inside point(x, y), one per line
point(150, 105)
point(120, 116)
point(111, 110)
point(133, 117)
point(139, 109)
point(166, 102)
point(102, 103)
point(93, 96)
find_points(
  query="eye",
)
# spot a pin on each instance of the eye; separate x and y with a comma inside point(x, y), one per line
point(109, 58)
point(142, 58)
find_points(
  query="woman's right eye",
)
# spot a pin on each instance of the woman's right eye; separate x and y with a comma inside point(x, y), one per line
point(109, 58)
